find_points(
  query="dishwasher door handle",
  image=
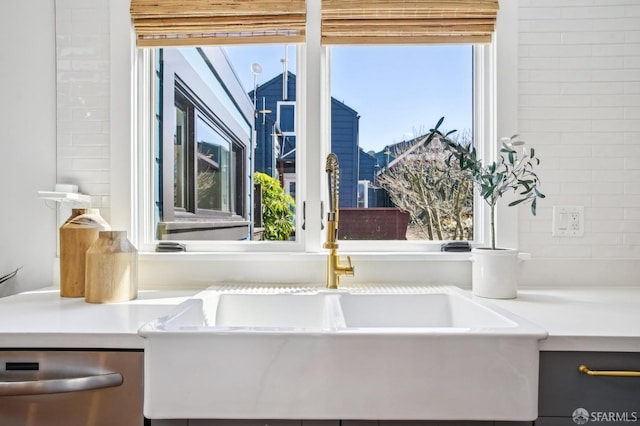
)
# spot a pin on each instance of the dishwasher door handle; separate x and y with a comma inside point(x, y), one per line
point(72, 384)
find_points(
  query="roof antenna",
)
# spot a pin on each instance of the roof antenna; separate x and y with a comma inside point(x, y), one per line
point(285, 74)
point(256, 69)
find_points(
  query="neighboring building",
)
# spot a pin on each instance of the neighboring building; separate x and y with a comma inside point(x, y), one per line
point(275, 152)
point(344, 143)
point(204, 139)
point(372, 164)
point(369, 193)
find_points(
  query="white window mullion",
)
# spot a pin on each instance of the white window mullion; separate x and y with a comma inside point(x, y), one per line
point(311, 93)
point(142, 212)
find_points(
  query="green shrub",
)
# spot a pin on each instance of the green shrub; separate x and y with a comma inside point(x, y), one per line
point(278, 209)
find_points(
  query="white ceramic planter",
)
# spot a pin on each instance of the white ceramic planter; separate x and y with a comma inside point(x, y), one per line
point(494, 273)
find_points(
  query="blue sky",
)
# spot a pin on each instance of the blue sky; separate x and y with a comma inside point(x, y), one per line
point(398, 91)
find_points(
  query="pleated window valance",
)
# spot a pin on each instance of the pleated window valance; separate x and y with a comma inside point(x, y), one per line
point(163, 23)
point(371, 22)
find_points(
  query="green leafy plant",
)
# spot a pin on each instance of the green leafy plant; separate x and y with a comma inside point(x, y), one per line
point(510, 171)
point(278, 214)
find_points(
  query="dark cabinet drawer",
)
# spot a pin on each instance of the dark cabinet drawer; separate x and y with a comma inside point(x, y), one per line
point(563, 389)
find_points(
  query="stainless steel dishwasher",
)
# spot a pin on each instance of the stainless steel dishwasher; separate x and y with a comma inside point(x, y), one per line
point(71, 388)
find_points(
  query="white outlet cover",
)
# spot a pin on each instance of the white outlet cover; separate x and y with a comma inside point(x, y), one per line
point(568, 221)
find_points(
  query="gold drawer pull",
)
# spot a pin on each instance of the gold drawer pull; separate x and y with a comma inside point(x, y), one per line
point(585, 370)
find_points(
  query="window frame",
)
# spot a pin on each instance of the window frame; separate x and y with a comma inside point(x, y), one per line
point(179, 85)
point(236, 199)
point(299, 245)
point(280, 104)
point(314, 101)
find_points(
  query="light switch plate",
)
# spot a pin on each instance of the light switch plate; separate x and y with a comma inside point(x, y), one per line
point(568, 221)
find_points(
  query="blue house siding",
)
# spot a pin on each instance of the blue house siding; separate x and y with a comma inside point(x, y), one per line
point(267, 97)
point(344, 143)
point(344, 136)
point(368, 169)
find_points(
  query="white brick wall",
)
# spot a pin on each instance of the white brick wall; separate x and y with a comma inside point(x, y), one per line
point(82, 53)
point(579, 105)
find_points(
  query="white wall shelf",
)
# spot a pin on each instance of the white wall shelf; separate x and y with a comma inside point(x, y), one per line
point(65, 197)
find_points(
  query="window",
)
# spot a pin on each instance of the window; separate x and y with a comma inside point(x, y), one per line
point(202, 192)
point(398, 93)
point(290, 179)
point(286, 117)
point(207, 184)
point(211, 166)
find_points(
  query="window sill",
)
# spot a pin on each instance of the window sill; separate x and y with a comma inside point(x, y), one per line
point(199, 270)
point(289, 257)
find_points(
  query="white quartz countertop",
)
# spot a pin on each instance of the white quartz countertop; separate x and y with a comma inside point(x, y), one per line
point(582, 319)
point(43, 319)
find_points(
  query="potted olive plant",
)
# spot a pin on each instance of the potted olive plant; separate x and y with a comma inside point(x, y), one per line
point(494, 270)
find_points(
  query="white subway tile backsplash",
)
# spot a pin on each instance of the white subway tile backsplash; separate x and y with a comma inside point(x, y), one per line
point(557, 151)
point(589, 140)
point(599, 238)
point(539, 226)
point(593, 87)
point(605, 213)
point(632, 112)
point(576, 163)
point(609, 176)
point(632, 164)
point(592, 188)
point(607, 163)
point(622, 100)
point(597, 187)
point(632, 86)
point(632, 188)
point(623, 125)
point(549, 38)
point(632, 213)
point(620, 24)
point(632, 239)
point(625, 251)
point(583, 92)
point(608, 226)
point(619, 200)
point(82, 52)
point(90, 114)
point(91, 164)
point(540, 13)
point(538, 26)
point(561, 51)
point(612, 150)
point(631, 226)
point(608, 10)
point(82, 126)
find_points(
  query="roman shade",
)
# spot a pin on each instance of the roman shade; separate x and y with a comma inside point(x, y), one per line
point(163, 23)
point(372, 22)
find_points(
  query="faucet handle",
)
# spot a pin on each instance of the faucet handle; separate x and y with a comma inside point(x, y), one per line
point(350, 270)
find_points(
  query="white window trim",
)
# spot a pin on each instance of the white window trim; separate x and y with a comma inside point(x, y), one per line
point(295, 113)
point(131, 177)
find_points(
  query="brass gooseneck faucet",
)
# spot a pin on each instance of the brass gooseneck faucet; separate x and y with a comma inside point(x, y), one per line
point(334, 268)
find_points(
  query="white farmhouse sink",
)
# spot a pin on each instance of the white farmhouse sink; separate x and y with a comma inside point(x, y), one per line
point(270, 311)
point(410, 311)
point(421, 353)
